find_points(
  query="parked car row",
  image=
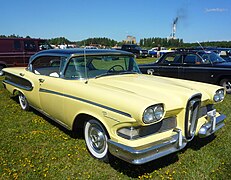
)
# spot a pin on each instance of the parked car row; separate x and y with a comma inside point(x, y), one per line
point(196, 65)
point(102, 93)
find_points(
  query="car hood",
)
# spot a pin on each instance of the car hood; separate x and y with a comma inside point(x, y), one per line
point(142, 91)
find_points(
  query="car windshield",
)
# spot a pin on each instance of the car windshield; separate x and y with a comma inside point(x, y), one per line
point(210, 56)
point(99, 66)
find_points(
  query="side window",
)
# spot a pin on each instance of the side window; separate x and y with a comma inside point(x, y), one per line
point(206, 58)
point(17, 44)
point(192, 59)
point(29, 46)
point(75, 69)
point(172, 59)
point(48, 66)
point(127, 47)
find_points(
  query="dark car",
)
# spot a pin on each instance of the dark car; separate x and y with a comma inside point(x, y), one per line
point(203, 66)
point(17, 51)
point(135, 49)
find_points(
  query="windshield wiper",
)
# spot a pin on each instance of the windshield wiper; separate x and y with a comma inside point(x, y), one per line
point(115, 73)
point(128, 72)
point(104, 74)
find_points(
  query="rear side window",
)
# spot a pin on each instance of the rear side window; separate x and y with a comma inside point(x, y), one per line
point(48, 65)
point(172, 59)
point(191, 59)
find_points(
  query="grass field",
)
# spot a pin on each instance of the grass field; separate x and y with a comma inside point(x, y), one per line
point(33, 147)
point(145, 60)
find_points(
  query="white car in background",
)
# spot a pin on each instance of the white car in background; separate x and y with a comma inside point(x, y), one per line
point(153, 52)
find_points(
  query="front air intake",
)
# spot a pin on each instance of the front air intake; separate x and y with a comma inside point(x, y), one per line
point(191, 116)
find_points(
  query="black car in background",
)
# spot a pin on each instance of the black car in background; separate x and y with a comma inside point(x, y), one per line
point(203, 66)
point(135, 49)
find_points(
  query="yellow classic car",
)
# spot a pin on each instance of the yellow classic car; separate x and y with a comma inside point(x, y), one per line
point(137, 118)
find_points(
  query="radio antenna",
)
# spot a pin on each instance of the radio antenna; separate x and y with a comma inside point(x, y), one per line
point(85, 63)
point(200, 45)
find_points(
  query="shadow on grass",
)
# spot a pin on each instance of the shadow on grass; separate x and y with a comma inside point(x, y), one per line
point(197, 143)
point(134, 171)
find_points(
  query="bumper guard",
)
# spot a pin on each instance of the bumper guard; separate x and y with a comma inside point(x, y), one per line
point(213, 125)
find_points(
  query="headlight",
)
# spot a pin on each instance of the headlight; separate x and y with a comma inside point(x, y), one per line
point(219, 95)
point(153, 114)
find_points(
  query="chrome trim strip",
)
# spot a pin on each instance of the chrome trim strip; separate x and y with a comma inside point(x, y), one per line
point(86, 101)
point(148, 152)
point(18, 85)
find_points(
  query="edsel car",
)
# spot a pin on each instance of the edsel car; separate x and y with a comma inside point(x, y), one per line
point(196, 65)
point(137, 118)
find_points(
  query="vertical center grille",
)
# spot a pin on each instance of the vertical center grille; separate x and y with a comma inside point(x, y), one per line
point(191, 116)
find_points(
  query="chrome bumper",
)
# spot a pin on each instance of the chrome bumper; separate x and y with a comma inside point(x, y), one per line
point(212, 126)
point(149, 152)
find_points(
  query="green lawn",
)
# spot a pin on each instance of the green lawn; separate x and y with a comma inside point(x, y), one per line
point(145, 60)
point(33, 147)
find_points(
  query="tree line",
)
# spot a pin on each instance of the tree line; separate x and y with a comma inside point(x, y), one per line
point(165, 42)
point(145, 42)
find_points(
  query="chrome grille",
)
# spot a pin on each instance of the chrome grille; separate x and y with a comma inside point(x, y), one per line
point(191, 116)
point(205, 109)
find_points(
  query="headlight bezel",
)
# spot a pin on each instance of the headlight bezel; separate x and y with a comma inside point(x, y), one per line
point(219, 95)
point(153, 114)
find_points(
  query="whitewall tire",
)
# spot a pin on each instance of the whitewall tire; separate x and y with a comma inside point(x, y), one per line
point(23, 102)
point(96, 139)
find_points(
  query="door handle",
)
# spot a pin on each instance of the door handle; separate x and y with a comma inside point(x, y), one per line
point(21, 74)
point(150, 71)
point(41, 80)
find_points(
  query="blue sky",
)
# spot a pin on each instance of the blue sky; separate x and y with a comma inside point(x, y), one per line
point(199, 20)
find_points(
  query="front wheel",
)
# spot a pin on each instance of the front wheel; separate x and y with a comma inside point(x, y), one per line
point(226, 83)
point(23, 102)
point(96, 140)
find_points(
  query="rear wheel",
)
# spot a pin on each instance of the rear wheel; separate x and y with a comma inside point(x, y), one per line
point(23, 102)
point(226, 83)
point(96, 139)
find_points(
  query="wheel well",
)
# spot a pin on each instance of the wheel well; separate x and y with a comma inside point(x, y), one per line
point(4, 66)
point(16, 92)
point(223, 77)
point(78, 125)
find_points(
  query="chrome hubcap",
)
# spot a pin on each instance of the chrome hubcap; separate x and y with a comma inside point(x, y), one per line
point(22, 100)
point(97, 139)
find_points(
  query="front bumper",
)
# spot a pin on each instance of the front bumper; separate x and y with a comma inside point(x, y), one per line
point(148, 152)
point(155, 150)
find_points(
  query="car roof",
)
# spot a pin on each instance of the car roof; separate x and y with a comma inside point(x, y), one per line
point(79, 52)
